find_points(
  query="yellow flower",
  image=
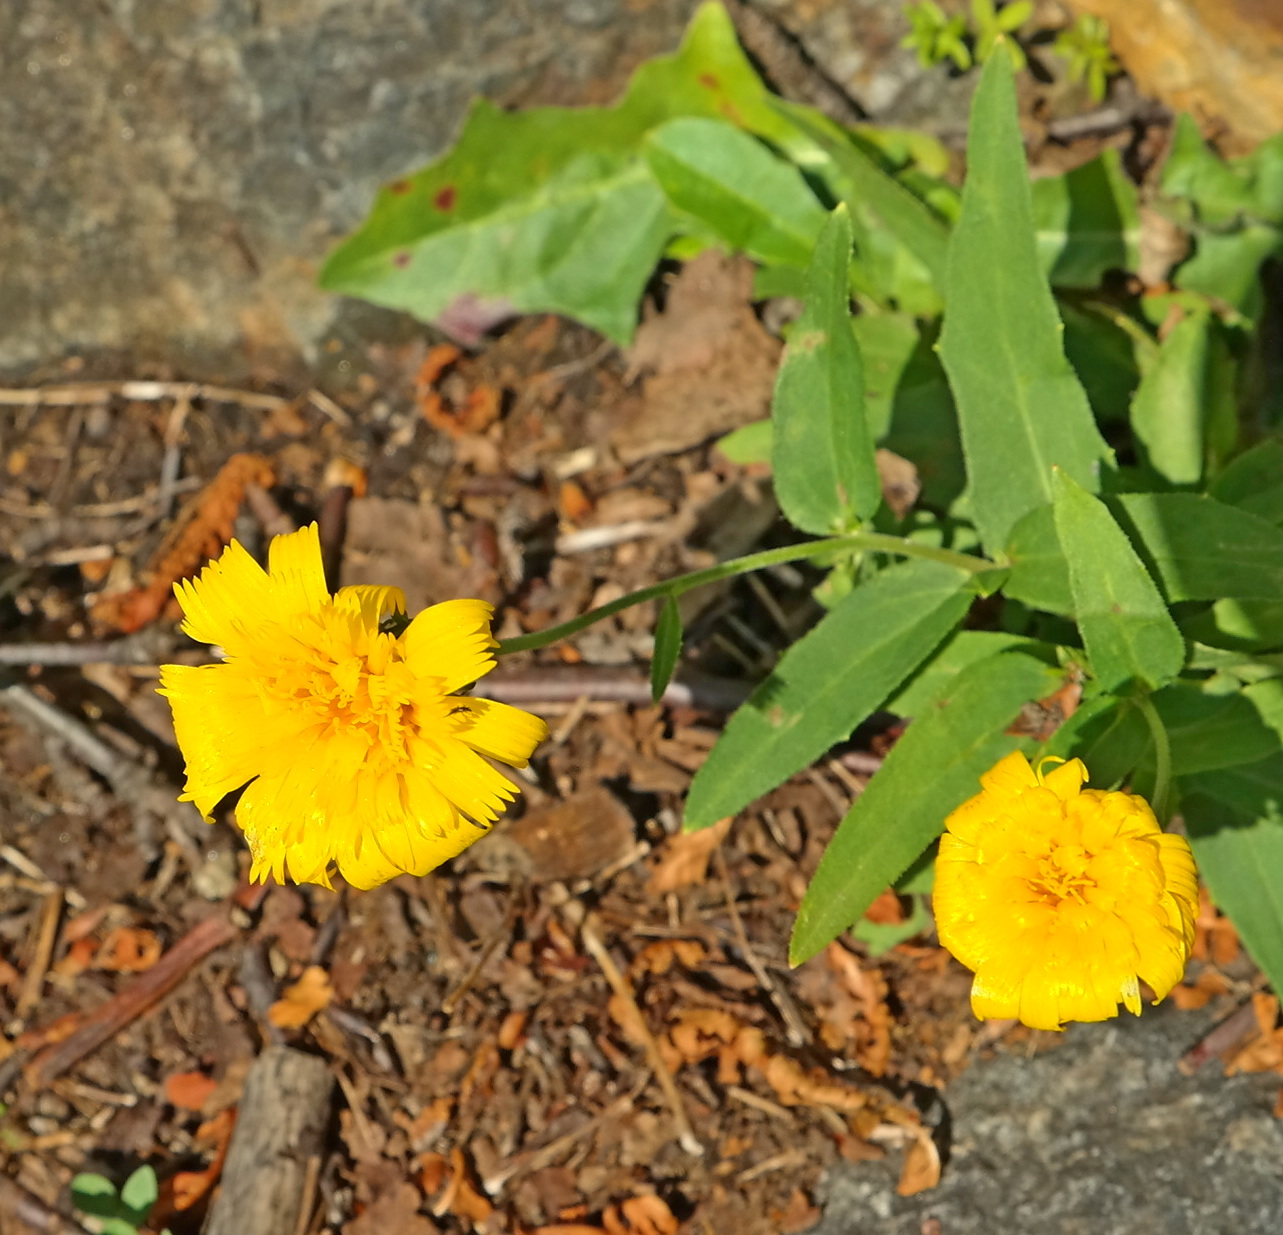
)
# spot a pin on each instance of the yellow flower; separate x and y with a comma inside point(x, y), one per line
point(354, 747)
point(1062, 899)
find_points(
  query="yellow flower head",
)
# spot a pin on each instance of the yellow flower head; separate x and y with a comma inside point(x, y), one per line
point(354, 748)
point(1062, 899)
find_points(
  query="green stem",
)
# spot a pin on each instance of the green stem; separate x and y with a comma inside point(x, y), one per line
point(1162, 755)
point(869, 541)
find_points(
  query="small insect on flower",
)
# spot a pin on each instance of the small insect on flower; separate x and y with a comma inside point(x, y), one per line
point(1061, 899)
point(351, 743)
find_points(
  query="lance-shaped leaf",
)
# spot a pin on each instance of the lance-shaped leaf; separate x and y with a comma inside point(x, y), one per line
point(1125, 625)
point(934, 767)
point(827, 683)
point(668, 647)
point(909, 219)
point(1020, 406)
point(552, 208)
point(1235, 823)
point(1196, 548)
point(826, 474)
point(1169, 407)
point(752, 199)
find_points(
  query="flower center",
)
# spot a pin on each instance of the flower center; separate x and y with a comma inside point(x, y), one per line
point(349, 695)
point(1062, 874)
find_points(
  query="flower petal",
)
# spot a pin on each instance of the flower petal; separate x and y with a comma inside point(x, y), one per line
point(499, 731)
point(452, 643)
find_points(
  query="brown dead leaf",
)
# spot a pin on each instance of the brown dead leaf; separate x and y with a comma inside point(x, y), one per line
point(901, 486)
point(202, 531)
point(573, 504)
point(711, 362)
point(1264, 1053)
point(640, 1215)
point(1215, 938)
point(660, 956)
point(684, 858)
point(302, 1000)
point(796, 1216)
point(461, 1197)
point(188, 1187)
point(395, 1211)
point(79, 957)
point(128, 949)
point(1197, 994)
point(572, 839)
point(921, 1168)
point(189, 1091)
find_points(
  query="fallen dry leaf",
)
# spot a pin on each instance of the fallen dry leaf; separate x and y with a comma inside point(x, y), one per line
point(647, 1214)
point(303, 1000)
point(202, 531)
point(684, 859)
point(188, 1187)
point(395, 1211)
point(189, 1091)
point(921, 1168)
point(128, 949)
point(461, 1197)
point(711, 362)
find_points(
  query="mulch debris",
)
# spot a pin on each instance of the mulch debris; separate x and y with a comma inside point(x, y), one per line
point(587, 1022)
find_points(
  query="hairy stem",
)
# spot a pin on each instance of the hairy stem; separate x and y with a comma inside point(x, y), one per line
point(1162, 755)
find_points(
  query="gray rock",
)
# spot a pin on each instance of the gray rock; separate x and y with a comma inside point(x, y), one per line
point(173, 174)
point(1100, 1136)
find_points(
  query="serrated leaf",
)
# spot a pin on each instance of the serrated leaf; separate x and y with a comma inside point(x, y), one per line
point(1087, 222)
point(1197, 549)
point(1234, 819)
point(1129, 635)
point(827, 683)
point(752, 199)
point(551, 209)
point(1021, 409)
point(1169, 408)
point(826, 476)
point(867, 186)
point(933, 768)
point(668, 647)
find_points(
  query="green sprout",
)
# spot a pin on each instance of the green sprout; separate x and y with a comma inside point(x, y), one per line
point(991, 24)
point(935, 37)
point(119, 1213)
point(1085, 47)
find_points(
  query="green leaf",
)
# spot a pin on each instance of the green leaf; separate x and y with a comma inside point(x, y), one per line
point(1108, 734)
point(1209, 732)
point(95, 1195)
point(933, 768)
point(551, 209)
point(1254, 481)
point(935, 677)
point(1021, 408)
point(826, 477)
point(1104, 355)
point(668, 647)
point(1087, 222)
point(750, 443)
point(1129, 635)
point(866, 185)
point(1168, 410)
point(751, 198)
point(119, 1226)
point(1234, 819)
point(1196, 548)
point(827, 683)
point(881, 937)
point(139, 1193)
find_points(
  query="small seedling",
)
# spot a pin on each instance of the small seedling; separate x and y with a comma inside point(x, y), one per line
point(121, 1212)
point(991, 24)
point(1085, 48)
point(935, 37)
